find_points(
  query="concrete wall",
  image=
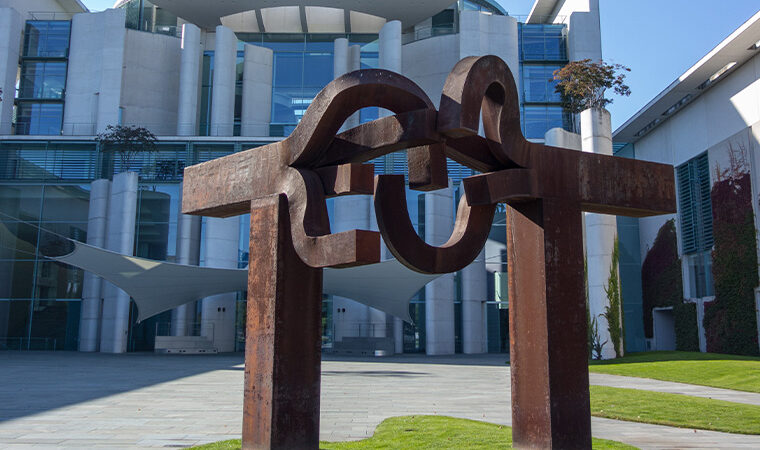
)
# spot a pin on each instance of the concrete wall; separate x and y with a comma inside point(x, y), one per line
point(11, 29)
point(724, 110)
point(429, 61)
point(584, 29)
point(94, 81)
point(24, 7)
point(150, 84)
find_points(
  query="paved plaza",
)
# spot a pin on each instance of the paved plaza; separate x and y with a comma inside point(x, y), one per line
point(78, 400)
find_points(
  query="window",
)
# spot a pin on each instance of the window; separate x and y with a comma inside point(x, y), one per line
point(47, 39)
point(39, 118)
point(694, 205)
point(538, 85)
point(42, 85)
point(542, 42)
point(41, 79)
point(537, 120)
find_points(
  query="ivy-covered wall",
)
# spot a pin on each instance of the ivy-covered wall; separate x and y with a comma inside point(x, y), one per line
point(730, 322)
point(662, 286)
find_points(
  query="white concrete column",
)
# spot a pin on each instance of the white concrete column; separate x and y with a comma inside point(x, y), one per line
point(351, 318)
point(188, 252)
point(474, 293)
point(440, 293)
point(389, 46)
point(11, 27)
point(601, 229)
point(189, 80)
point(120, 237)
point(340, 57)
point(97, 219)
point(257, 91)
point(218, 311)
point(223, 88)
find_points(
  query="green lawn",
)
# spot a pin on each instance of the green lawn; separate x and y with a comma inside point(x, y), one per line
point(674, 410)
point(741, 373)
point(421, 432)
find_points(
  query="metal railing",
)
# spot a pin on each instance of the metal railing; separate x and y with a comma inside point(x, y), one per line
point(427, 32)
point(362, 329)
point(203, 328)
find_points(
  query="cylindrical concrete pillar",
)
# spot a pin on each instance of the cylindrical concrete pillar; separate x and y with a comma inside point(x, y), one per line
point(120, 238)
point(257, 91)
point(218, 311)
point(601, 229)
point(440, 293)
point(189, 80)
point(188, 252)
point(340, 57)
point(97, 219)
point(11, 25)
point(351, 318)
point(389, 46)
point(474, 293)
point(223, 88)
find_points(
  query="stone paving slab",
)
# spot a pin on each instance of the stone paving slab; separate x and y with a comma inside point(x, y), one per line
point(76, 400)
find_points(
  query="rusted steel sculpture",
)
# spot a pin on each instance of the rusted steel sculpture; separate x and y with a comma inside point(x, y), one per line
point(284, 186)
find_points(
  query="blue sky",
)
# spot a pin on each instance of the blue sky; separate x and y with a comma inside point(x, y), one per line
point(657, 39)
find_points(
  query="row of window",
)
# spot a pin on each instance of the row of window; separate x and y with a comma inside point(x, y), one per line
point(39, 100)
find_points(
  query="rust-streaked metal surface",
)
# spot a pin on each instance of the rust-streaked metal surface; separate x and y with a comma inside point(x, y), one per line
point(283, 336)
point(284, 186)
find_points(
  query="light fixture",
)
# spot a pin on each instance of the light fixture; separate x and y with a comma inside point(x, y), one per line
point(717, 75)
point(755, 46)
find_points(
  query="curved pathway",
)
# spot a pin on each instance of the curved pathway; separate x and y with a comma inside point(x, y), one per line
point(75, 400)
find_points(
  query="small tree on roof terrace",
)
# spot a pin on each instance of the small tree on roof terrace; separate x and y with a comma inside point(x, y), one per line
point(128, 141)
point(583, 83)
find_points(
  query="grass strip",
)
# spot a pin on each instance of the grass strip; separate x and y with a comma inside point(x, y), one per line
point(423, 432)
point(741, 373)
point(674, 410)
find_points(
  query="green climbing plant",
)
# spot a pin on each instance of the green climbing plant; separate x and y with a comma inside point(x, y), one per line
point(613, 311)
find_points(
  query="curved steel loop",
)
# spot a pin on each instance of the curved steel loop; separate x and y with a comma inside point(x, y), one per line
point(484, 85)
point(343, 97)
point(471, 229)
point(310, 226)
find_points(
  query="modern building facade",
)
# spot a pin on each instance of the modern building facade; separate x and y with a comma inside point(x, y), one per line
point(214, 78)
point(699, 267)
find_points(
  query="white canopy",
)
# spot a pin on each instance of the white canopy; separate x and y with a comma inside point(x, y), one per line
point(159, 286)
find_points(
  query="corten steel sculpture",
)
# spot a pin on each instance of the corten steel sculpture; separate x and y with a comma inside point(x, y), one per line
point(284, 186)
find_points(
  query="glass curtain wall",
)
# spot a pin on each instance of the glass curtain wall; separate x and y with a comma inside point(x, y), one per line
point(42, 84)
point(543, 49)
point(303, 65)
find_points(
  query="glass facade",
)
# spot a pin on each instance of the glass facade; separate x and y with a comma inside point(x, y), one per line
point(303, 65)
point(145, 16)
point(42, 83)
point(543, 49)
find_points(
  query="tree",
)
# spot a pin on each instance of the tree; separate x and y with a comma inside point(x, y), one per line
point(128, 141)
point(583, 84)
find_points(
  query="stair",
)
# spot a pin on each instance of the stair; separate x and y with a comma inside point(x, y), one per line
point(188, 345)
